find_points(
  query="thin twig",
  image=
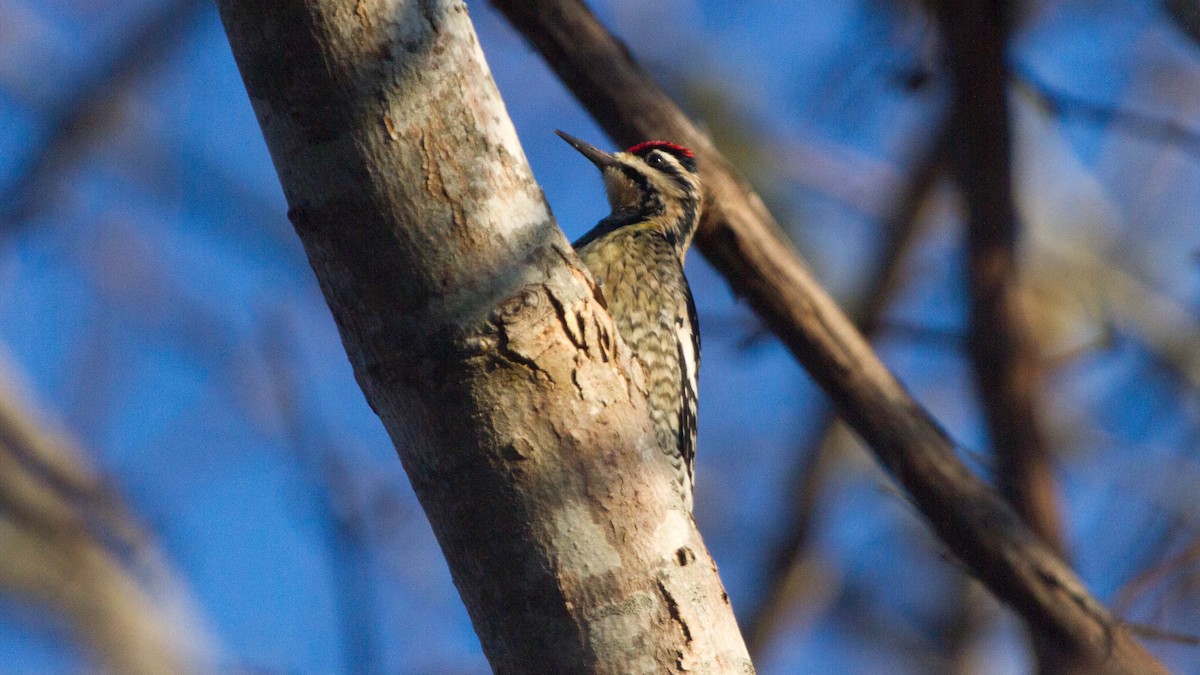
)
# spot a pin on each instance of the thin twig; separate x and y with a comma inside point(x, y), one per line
point(1162, 635)
point(1065, 105)
point(1155, 574)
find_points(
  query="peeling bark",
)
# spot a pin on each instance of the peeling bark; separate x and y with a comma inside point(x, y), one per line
point(480, 339)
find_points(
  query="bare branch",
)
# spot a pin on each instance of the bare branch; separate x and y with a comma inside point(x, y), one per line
point(1147, 125)
point(1005, 360)
point(1155, 633)
point(1186, 14)
point(1003, 354)
point(1155, 574)
point(788, 560)
point(70, 543)
point(743, 241)
point(71, 120)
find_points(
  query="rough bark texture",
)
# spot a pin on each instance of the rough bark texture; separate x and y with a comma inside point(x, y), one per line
point(744, 243)
point(480, 340)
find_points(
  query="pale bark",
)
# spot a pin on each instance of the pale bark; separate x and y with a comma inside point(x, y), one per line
point(743, 241)
point(480, 340)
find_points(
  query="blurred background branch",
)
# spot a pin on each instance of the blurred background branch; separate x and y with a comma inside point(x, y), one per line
point(69, 542)
point(743, 241)
point(1147, 125)
point(1186, 14)
point(1006, 362)
point(81, 111)
point(1005, 358)
point(154, 292)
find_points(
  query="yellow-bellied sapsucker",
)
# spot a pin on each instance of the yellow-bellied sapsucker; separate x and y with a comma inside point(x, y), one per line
point(636, 254)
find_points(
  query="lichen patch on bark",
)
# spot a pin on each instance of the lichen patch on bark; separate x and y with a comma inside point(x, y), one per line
point(672, 534)
point(620, 628)
point(581, 544)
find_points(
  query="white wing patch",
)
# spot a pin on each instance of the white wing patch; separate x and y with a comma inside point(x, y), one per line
point(687, 349)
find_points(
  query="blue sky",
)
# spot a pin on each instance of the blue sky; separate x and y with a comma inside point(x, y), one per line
point(156, 305)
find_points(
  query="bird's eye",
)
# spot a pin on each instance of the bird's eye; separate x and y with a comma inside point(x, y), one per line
point(656, 160)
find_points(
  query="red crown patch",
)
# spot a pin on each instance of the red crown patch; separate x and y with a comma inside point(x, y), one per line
point(663, 145)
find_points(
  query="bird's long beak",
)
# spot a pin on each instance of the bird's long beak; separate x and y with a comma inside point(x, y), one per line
point(595, 155)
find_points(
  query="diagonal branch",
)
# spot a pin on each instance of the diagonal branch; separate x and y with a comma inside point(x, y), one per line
point(787, 562)
point(743, 241)
point(153, 36)
point(999, 341)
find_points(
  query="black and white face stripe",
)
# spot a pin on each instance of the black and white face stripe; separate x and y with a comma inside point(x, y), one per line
point(679, 155)
point(629, 187)
point(664, 162)
point(655, 186)
point(663, 171)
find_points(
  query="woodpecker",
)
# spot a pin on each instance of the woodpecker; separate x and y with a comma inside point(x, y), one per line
point(637, 254)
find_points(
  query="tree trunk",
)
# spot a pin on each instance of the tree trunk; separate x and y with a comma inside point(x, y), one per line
point(480, 339)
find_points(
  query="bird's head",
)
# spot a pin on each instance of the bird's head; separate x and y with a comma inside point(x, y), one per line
point(655, 182)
